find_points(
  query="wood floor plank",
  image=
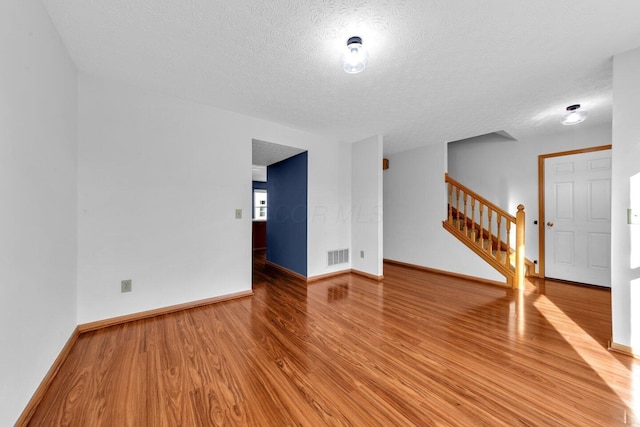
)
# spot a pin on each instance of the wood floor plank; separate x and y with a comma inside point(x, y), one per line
point(417, 348)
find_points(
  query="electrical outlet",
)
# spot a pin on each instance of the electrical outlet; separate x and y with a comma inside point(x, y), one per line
point(238, 213)
point(361, 254)
point(125, 286)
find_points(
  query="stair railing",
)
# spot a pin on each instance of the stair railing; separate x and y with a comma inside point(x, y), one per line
point(488, 230)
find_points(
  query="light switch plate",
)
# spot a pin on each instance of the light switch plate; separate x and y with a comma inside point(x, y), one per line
point(238, 213)
point(633, 216)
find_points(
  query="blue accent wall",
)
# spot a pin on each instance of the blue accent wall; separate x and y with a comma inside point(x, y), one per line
point(259, 185)
point(287, 213)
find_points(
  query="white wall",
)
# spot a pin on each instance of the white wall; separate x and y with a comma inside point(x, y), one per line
point(366, 205)
point(38, 193)
point(506, 172)
point(625, 238)
point(328, 203)
point(159, 181)
point(414, 208)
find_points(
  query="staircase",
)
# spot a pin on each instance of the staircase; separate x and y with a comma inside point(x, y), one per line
point(488, 230)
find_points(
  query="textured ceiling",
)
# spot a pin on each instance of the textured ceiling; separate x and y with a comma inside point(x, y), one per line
point(267, 153)
point(439, 70)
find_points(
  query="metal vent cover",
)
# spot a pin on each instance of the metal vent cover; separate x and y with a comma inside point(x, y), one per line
point(339, 256)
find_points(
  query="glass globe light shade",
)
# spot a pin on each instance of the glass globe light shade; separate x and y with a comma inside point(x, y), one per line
point(355, 58)
point(574, 115)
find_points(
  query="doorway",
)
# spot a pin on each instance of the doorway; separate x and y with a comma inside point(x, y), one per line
point(280, 219)
point(575, 215)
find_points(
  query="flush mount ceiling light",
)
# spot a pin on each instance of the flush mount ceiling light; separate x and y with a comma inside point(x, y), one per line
point(354, 59)
point(574, 115)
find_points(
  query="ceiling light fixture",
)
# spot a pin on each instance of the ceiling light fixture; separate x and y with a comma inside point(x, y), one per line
point(354, 59)
point(574, 115)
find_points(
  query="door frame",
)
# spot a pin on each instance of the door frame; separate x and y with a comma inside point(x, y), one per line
point(541, 196)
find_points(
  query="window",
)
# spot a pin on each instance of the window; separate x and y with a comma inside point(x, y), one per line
point(259, 204)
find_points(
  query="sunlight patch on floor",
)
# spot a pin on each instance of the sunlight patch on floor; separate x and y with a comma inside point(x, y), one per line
point(517, 311)
point(595, 355)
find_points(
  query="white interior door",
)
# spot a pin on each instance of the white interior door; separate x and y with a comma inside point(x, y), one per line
point(578, 217)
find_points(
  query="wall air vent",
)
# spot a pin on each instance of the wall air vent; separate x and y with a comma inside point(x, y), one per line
point(340, 256)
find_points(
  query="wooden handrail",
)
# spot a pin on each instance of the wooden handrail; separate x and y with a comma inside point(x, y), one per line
point(478, 197)
point(487, 229)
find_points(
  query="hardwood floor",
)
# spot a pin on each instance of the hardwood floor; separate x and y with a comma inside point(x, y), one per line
point(416, 349)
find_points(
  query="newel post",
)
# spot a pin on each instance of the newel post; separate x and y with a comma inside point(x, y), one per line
point(518, 282)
